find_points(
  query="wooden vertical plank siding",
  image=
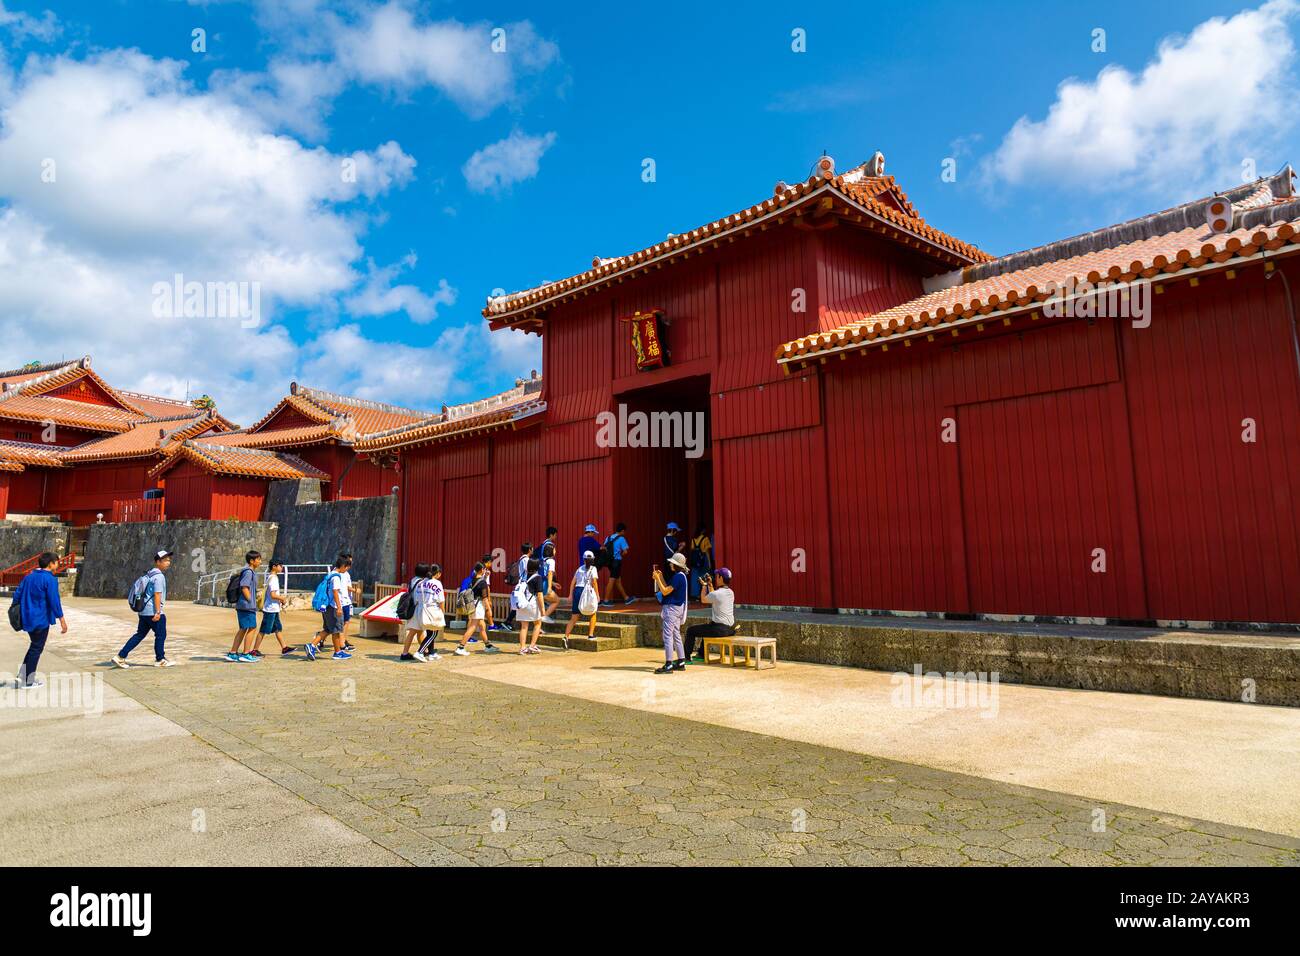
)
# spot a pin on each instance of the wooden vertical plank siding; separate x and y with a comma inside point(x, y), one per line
point(4, 493)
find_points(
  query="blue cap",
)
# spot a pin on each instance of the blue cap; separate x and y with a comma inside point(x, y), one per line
point(591, 528)
point(673, 526)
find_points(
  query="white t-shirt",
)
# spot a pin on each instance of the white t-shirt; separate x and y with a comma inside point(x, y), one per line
point(548, 567)
point(724, 606)
point(585, 575)
point(427, 593)
point(271, 600)
point(343, 587)
point(523, 568)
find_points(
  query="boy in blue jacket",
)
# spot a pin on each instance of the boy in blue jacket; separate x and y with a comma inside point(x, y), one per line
point(38, 599)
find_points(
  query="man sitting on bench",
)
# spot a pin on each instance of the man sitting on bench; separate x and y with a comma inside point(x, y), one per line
point(722, 614)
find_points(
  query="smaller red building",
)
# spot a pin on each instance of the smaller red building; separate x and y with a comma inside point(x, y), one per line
point(212, 482)
point(320, 428)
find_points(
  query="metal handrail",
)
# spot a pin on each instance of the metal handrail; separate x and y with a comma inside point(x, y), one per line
point(214, 578)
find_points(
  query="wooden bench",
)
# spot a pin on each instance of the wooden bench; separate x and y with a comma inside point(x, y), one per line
point(726, 649)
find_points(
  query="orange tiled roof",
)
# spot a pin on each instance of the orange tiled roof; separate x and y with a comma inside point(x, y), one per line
point(1024, 280)
point(64, 411)
point(7, 465)
point(874, 198)
point(152, 436)
point(340, 418)
point(497, 411)
point(295, 437)
point(240, 462)
point(16, 375)
point(32, 453)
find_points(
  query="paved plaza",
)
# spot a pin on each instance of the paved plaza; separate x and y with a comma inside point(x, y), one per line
point(372, 762)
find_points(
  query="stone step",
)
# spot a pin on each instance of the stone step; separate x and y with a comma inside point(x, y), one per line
point(555, 639)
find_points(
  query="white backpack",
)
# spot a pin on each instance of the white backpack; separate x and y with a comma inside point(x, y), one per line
point(523, 597)
point(589, 603)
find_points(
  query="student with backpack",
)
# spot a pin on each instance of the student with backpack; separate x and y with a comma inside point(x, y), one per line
point(38, 604)
point(551, 599)
point(328, 600)
point(486, 561)
point(518, 572)
point(148, 598)
point(611, 556)
point(527, 595)
point(343, 568)
point(586, 595)
point(422, 613)
point(701, 558)
point(479, 595)
point(271, 606)
point(241, 591)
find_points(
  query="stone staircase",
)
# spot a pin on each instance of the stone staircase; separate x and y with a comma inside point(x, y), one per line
point(610, 635)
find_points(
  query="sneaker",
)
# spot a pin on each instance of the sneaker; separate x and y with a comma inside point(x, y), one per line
point(606, 603)
point(233, 657)
point(286, 651)
point(433, 656)
point(247, 659)
point(34, 683)
point(341, 656)
point(472, 640)
point(491, 649)
point(548, 619)
point(679, 665)
point(311, 651)
point(120, 661)
point(630, 600)
point(666, 669)
point(411, 657)
point(534, 649)
point(565, 638)
point(349, 647)
point(164, 663)
point(255, 653)
point(460, 651)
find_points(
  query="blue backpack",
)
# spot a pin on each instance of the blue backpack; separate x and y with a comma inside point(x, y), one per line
point(323, 599)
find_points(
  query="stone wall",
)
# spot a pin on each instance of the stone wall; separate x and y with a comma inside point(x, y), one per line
point(19, 540)
point(316, 533)
point(116, 554)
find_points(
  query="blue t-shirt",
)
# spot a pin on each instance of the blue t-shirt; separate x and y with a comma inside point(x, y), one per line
point(619, 543)
point(38, 596)
point(155, 584)
point(587, 543)
point(678, 584)
point(247, 579)
point(670, 546)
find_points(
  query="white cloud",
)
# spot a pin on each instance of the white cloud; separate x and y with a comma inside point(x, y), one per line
point(154, 178)
point(379, 296)
point(388, 47)
point(24, 25)
point(506, 161)
point(1188, 120)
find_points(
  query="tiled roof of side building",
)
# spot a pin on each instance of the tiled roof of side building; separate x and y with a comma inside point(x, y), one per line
point(341, 418)
point(33, 453)
point(1160, 245)
point(496, 411)
point(863, 192)
point(239, 462)
point(63, 411)
point(151, 436)
point(38, 369)
point(296, 437)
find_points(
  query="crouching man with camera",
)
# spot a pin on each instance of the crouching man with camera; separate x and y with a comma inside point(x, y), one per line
point(715, 590)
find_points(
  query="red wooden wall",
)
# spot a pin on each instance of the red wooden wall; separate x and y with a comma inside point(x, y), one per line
point(80, 493)
point(191, 492)
point(4, 492)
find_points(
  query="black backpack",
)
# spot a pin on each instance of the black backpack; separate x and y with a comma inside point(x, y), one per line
point(406, 603)
point(605, 556)
point(233, 591)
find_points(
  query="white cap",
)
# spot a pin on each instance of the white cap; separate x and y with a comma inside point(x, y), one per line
point(588, 554)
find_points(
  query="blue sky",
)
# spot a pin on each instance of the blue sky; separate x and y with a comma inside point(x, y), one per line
point(482, 170)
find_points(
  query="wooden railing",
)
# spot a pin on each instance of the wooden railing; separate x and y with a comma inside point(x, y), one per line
point(16, 573)
point(138, 509)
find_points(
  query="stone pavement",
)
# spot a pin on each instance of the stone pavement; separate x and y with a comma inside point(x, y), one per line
point(437, 766)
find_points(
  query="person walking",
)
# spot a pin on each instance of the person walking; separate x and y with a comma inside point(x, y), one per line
point(587, 576)
point(342, 586)
point(271, 607)
point(241, 651)
point(672, 594)
point(551, 596)
point(670, 540)
point(151, 588)
point(590, 541)
point(528, 597)
point(38, 603)
point(722, 612)
point(426, 618)
point(480, 594)
point(701, 558)
point(519, 572)
point(332, 623)
point(615, 548)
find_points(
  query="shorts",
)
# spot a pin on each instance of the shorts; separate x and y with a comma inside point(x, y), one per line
point(478, 613)
point(616, 569)
point(271, 622)
point(577, 599)
point(347, 613)
point(331, 622)
point(247, 619)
